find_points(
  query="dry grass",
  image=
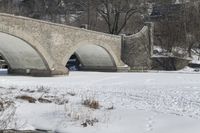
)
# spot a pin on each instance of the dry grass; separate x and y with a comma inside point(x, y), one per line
point(43, 89)
point(7, 113)
point(27, 90)
point(89, 122)
point(4, 104)
point(43, 100)
point(61, 101)
point(71, 93)
point(91, 103)
point(1, 106)
point(110, 108)
point(27, 98)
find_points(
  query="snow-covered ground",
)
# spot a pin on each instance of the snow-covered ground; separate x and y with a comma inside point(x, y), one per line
point(142, 102)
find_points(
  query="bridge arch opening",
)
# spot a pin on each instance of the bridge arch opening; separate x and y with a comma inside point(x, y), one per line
point(21, 58)
point(91, 58)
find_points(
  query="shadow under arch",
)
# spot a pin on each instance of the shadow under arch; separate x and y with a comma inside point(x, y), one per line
point(21, 57)
point(91, 58)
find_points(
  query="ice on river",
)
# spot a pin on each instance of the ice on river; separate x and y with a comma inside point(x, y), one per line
point(141, 102)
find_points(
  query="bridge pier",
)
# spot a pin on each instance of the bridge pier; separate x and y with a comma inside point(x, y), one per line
point(59, 70)
point(125, 68)
point(30, 72)
point(38, 73)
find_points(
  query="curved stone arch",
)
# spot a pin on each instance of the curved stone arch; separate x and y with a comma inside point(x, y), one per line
point(37, 49)
point(80, 44)
point(111, 56)
point(34, 44)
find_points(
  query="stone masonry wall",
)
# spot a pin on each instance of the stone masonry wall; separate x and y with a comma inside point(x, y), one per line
point(136, 49)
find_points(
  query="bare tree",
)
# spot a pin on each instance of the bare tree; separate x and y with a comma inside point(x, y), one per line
point(117, 13)
point(192, 25)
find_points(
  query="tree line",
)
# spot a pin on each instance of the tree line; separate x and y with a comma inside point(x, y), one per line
point(111, 16)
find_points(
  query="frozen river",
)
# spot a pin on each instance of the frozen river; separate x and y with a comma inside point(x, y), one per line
point(142, 102)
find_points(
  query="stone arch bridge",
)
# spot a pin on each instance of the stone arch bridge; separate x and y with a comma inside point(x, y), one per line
point(39, 48)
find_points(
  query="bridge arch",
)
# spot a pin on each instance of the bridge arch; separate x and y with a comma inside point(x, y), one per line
point(22, 58)
point(93, 55)
point(55, 43)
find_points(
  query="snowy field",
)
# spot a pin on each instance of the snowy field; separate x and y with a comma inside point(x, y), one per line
point(128, 102)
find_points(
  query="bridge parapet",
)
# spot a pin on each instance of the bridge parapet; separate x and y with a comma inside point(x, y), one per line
point(59, 25)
